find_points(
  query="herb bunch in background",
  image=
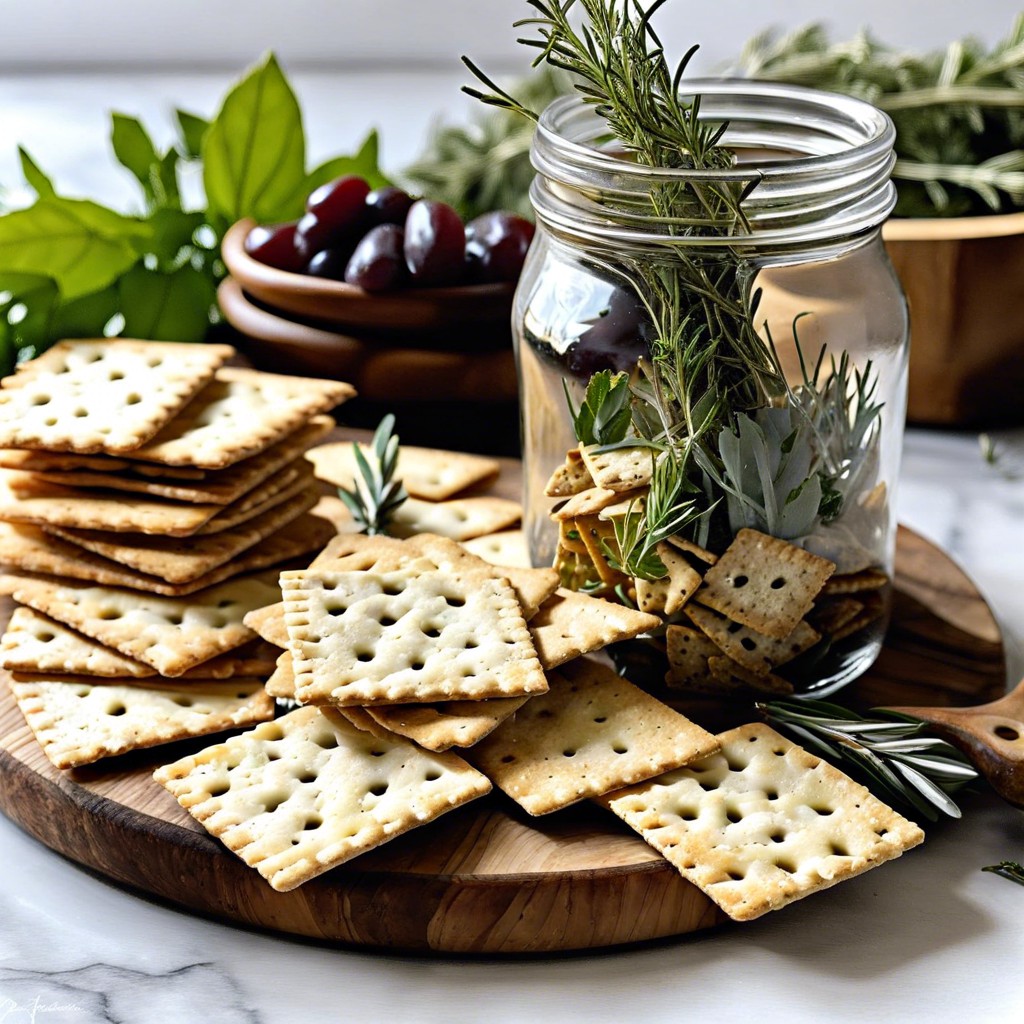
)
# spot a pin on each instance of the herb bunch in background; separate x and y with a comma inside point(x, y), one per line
point(73, 268)
point(959, 113)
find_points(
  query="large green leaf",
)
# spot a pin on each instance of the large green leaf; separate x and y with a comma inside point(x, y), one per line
point(81, 245)
point(133, 148)
point(34, 175)
point(254, 152)
point(166, 307)
point(191, 130)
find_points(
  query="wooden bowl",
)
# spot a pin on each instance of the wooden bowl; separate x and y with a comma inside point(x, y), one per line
point(379, 372)
point(469, 307)
point(964, 279)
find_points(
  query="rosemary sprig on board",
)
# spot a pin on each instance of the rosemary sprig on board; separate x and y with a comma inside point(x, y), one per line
point(959, 113)
point(1007, 869)
point(890, 754)
point(375, 493)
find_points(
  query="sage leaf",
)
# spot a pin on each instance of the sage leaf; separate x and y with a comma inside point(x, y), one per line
point(81, 245)
point(35, 178)
point(166, 307)
point(254, 151)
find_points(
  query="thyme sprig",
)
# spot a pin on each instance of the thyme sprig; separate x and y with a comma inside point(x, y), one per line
point(889, 753)
point(375, 493)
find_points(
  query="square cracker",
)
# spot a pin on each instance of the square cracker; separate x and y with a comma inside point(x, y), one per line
point(621, 469)
point(570, 624)
point(219, 487)
point(570, 478)
point(301, 795)
point(239, 414)
point(171, 634)
point(455, 723)
point(102, 395)
point(697, 664)
point(428, 473)
point(593, 732)
point(79, 721)
point(763, 823)
point(34, 643)
point(764, 583)
point(457, 519)
point(506, 547)
point(417, 634)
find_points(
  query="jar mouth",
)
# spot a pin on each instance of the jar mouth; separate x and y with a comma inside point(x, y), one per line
point(820, 163)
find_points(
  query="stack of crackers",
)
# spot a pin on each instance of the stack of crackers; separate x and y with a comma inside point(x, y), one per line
point(732, 618)
point(147, 495)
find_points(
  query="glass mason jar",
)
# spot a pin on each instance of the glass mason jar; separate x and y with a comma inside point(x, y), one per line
point(819, 293)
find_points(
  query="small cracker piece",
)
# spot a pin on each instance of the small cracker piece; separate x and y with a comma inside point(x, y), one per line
point(268, 624)
point(428, 473)
point(170, 634)
point(596, 534)
point(281, 683)
point(667, 596)
point(455, 723)
point(590, 502)
point(754, 651)
point(102, 395)
point(570, 624)
point(765, 583)
point(570, 478)
point(763, 823)
point(79, 721)
point(621, 469)
point(856, 582)
point(731, 677)
point(684, 544)
point(239, 414)
point(416, 634)
point(688, 651)
point(592, 731)
point(301, 795)
point(506, 548)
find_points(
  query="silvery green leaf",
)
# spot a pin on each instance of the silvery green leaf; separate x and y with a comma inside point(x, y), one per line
point(928, 789)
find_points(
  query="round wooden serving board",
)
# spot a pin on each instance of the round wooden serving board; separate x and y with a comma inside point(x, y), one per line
point(485, 878)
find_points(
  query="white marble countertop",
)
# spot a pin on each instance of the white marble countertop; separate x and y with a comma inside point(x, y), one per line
point(930, 937)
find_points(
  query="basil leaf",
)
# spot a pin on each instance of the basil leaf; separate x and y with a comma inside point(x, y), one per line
point(81, 245)
point(166, 307)
point(364, 164)
point(191, 130)
point(254, 151)
point(173, 235)
point(134, 149)
point(86, 316)
point(34, 176)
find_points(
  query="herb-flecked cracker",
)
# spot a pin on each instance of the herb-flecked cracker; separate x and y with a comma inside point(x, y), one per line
point(763, 823)
point(417, 634)
point(593, 732)
point(765, 583)
point(336, 792)
point(102, 395)
point(79, 721)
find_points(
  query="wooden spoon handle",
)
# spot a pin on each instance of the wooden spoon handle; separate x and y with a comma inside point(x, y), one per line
point(990, 735)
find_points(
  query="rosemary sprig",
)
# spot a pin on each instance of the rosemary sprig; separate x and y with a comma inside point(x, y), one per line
point(375, 493)
point(959, 113)
point(1007, 869)
point(889, 754)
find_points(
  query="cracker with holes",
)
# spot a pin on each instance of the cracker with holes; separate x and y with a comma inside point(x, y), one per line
point(754, 651)
point(570, 624)
point(40, 461)
point(427, 473)
point(620, 469)
point(506, 547)
point(570, 478)
point(170, 634)
point(416, 634)
point(457, 519)
point(80, 721)
point(239, 414)
point(668, 595)
point(35, 643)
point(688, 651)
point(764, 583)
point(218, 487)
point(299, 796)
point(593, 732)
point(763, 823)
point(102, 395)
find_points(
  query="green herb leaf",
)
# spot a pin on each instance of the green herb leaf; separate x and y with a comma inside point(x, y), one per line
point(604, 417)
point(134, 149)
point(81, 245)
point(254, 151)
point(27, 302)
point(191, 130)
point(166, 307)
point(364, 164)
point(1008, 869)
point(86, 316)
point(375, 493)
point(34, 176)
